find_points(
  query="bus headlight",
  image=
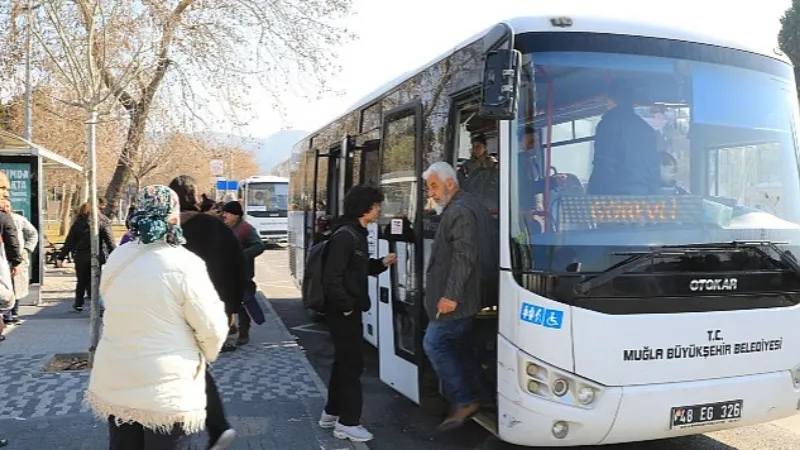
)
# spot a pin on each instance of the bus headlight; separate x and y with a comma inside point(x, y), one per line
point(586, 395)
point(532, 370)
point(560, 387)
point(541, 380)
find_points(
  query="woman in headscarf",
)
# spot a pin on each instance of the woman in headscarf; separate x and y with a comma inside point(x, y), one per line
point(163, 322)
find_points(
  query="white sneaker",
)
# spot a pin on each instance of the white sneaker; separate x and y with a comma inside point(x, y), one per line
point(355, 433)
point(225, 440)
point(327, 421)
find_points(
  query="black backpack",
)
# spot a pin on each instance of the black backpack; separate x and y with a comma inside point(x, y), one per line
point(313, 295)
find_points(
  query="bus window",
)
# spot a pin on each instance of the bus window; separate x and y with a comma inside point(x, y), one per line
point(267, 199)
point(479, 176)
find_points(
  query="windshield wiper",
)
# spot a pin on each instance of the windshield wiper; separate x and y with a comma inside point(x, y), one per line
point(638, 259)
point(634, 262)
point(785, 256)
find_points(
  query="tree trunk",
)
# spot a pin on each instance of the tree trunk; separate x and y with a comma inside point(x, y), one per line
point(130, 152)
point(80, 193)
point(66, 209)
point(94, 227)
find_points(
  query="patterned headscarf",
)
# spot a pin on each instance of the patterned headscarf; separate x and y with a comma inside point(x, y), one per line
point(157, 216)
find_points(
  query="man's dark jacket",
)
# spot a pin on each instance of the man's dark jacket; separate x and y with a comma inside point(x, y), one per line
point(214, 242)
point(625, 155)
point(11, 243)
point(251, 244)
point(464, 259)
point(346, 267)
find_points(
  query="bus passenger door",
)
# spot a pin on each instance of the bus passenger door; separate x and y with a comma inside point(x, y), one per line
point(400, 287)
point(319, 195)
point(345, 170)
point(367, 158)
point(334, 179)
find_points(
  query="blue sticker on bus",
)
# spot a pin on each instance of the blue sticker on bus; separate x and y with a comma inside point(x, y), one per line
point(553, 318)
point(548, 318)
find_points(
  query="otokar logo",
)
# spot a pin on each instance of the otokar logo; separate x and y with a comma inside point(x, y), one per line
point(713, 284)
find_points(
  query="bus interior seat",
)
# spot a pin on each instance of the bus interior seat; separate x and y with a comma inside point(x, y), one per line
point(562, 210)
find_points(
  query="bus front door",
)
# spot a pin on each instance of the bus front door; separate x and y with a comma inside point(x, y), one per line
point(366, 158)
point(400, 287)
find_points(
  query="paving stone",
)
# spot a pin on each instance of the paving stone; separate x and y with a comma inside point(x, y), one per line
point(271, 394)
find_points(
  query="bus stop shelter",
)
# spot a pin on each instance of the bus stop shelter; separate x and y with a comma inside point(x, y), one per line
point(24, 162)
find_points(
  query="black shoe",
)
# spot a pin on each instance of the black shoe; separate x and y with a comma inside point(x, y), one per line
point(244, 339)
point(3, 442)
point(77, 308)
point(226, 347)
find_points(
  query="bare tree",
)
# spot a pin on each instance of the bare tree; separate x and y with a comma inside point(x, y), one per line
point(150, 157)
point(60, 128)
point(190, 155)
point(219, 50)
point(79, 59)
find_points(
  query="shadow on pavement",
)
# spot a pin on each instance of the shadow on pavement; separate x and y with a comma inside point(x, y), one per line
point(400, 424)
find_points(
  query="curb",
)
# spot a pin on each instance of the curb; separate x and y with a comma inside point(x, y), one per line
point(320, 385)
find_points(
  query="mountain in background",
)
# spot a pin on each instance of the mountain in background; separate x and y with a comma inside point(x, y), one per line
point(269, 152)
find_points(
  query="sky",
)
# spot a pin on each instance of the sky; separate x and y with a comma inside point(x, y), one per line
point(397, 36)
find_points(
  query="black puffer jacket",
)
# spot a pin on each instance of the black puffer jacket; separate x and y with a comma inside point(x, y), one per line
point(210, 239)
point(80, 245)
point(346, 267)
point(11, 243)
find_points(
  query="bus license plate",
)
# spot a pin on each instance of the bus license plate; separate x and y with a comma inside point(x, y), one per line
point(685, 416)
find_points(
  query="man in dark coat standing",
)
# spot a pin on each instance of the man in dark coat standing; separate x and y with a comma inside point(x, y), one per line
point(461, 274)
point(211, 240)
point(252, 247)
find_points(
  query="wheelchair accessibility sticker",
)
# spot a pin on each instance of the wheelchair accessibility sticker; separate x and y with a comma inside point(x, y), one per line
point(548, 318)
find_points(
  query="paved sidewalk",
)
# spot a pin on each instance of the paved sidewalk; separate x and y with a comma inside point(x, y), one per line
point(272, 395)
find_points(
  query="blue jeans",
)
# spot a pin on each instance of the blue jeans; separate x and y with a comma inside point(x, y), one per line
point(452, 355)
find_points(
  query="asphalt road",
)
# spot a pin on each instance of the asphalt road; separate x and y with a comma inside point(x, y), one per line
point(399, 424)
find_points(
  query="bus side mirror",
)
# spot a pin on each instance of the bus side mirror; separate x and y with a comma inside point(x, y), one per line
point(500, 85)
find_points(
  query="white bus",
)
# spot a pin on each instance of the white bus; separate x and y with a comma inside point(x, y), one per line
point(630, 308)
point(265, 200)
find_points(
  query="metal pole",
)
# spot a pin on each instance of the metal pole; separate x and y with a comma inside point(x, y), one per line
point(230, 174)
point(94, 334)
point(28, 87)
point(85, 184)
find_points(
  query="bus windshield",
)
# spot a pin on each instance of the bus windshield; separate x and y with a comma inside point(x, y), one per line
point(611, 152)
point(267, 199)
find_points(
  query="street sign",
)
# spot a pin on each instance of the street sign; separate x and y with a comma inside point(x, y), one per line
point(227, 185)
point(217, 167)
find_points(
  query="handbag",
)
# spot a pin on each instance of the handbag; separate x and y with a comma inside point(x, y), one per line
point(252, 307)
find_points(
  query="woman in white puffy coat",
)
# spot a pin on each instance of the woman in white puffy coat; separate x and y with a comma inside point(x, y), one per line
point(163, 322)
